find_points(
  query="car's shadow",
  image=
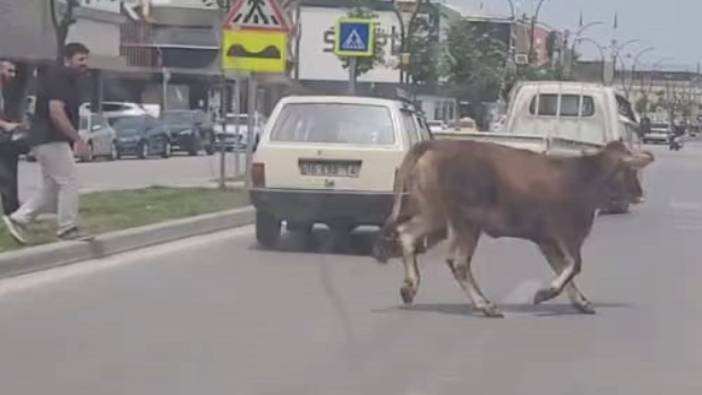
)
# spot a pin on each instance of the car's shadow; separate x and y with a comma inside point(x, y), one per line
point(466, 310)
point(323, 241)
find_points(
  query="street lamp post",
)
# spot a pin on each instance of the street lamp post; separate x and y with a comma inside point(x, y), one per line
point(649, 89)
point(616, 50)
point(601, 49)
point(576, 41)
point(628, 87)
point(401, 24)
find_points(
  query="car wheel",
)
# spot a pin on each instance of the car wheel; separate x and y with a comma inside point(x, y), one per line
point(167, 150)
point(210, 146)
point(144, 150)
point(302, 228)
point(267, 229)
point(91, 153)
point(114, 152)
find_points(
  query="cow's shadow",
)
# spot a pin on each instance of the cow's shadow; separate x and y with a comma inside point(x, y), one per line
point(466, 310)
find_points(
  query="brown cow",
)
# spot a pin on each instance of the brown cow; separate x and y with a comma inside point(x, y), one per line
point(457, 190)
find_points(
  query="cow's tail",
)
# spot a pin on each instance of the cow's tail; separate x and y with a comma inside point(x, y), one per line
point(388, 232)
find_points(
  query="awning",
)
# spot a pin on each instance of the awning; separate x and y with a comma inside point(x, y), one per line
point(186, 38)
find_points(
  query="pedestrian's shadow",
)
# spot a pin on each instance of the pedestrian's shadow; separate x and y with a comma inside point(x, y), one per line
point(466, 310)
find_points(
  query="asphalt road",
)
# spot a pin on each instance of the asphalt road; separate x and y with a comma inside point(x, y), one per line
point(179, 170)
point(215, 315)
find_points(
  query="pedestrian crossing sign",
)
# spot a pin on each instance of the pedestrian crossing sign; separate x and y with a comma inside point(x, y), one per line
point(355, 37)
point(257, 15)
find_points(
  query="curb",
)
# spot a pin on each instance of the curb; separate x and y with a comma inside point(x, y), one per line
point(53, 255)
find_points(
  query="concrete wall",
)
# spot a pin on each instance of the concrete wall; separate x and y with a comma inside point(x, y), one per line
point(26, 31)
point(101, 37)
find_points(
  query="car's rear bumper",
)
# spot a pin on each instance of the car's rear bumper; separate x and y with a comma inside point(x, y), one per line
point(327, 207)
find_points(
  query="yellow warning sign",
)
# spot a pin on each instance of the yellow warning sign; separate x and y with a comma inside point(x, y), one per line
point(254, 50)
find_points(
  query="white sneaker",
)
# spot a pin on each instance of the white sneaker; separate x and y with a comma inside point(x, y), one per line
point(17, 230)
point(75, 234)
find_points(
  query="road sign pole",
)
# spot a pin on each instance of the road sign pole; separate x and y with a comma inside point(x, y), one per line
point(251, 123)
point(237, 109)
point(222, 137)
point(352, 75)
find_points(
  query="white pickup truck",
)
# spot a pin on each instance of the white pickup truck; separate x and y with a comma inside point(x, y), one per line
point(565, 119)
point(562, 118)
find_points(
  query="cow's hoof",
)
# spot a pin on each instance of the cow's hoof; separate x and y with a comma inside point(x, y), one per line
point(545, 294)
point(408, 293)
point(491, 311)
point(585, 307)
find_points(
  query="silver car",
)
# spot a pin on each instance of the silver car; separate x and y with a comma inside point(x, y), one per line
point(99, 136)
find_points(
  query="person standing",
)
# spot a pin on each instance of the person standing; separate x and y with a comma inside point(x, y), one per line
point(9, 152)
point(53, 137)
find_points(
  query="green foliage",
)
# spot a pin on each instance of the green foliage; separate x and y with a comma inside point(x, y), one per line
point(425, 51)
point(475, 63)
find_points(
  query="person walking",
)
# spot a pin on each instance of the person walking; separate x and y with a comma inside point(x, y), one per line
point(9, 152)
point(52, 136)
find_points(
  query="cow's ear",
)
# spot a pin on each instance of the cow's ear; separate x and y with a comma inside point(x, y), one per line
point(639, 160)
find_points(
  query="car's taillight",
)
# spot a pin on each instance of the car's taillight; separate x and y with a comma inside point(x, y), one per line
point(258, 175)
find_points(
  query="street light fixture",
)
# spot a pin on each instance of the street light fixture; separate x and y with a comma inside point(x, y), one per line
point(628, 87)
point(576, 40)
point(601, 49)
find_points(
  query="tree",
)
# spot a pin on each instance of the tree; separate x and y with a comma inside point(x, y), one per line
point(475, 63)
point(364, 9)
point(62, 17)
point(424, 53)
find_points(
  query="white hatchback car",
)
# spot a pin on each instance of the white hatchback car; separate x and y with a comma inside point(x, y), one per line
point(330, 160)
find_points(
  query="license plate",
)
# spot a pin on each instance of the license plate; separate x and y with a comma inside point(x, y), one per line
point(330, 168)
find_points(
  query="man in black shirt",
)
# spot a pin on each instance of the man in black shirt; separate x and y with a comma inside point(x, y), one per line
point(9, 152)
point(53, 136)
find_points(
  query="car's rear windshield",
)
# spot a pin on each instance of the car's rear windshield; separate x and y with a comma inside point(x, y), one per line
point(334, 124)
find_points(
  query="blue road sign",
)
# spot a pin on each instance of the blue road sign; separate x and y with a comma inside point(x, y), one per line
point(355, 37)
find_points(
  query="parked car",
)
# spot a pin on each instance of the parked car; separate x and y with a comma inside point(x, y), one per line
point(437, 126)
point(141, 136)
point(660, 133)
point(464, 126)
point(99, 135)
point(115, 108)
point(190, 131)
point(229, 136)
point(330, 160)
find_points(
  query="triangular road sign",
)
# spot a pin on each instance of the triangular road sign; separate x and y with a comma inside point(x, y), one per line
point(257, 15)
point(354, 41)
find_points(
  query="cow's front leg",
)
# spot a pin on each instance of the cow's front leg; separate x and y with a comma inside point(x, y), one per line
point(571, 267)
point(409, 233)
point(461, 247)
point(556, 260)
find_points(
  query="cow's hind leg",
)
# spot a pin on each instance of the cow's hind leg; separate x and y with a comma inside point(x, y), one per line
point(409, 233)
point(461, 247)
point(570, 268)
point(557, 262)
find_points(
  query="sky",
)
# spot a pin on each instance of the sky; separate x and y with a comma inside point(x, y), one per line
point(671, 26)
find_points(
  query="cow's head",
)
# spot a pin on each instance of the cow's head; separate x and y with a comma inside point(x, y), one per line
point(386, 245)
point(622, 166)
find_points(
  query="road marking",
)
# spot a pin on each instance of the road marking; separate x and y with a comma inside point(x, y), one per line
point(51, 276)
